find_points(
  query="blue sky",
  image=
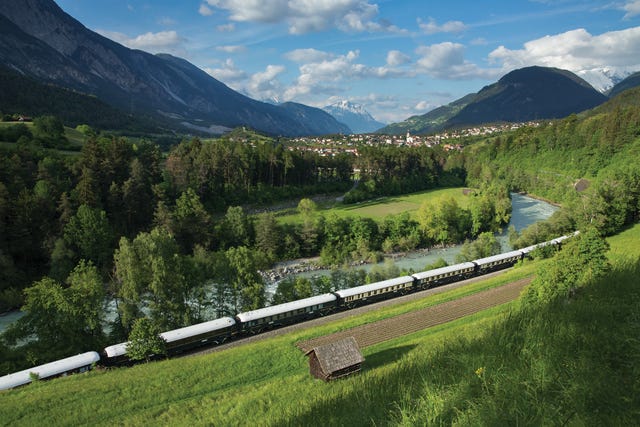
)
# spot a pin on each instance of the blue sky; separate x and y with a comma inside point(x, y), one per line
point(396, 57)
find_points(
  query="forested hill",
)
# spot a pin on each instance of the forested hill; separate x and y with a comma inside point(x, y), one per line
point(598, 149)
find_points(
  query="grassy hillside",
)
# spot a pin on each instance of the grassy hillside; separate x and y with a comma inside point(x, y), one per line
point(571, 363)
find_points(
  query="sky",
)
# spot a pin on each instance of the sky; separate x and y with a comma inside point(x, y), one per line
point(397, 58)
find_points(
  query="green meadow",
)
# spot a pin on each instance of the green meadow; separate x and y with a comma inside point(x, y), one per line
point(571, 363)
point(379, 208)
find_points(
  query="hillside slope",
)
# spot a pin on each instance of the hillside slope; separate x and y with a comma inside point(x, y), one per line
point(468, 372)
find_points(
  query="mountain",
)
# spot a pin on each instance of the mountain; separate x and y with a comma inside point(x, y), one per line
point(433, 121)
point(530, 93)
point(23, 95)
point(353, 115)
point(522, 95)
point(630, 82)
point(603, 79)
point(41, 41)
point(316, 119)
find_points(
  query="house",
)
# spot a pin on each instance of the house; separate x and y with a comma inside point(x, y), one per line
point(335, 360)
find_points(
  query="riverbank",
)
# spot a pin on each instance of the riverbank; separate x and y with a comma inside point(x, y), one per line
point(526, 211)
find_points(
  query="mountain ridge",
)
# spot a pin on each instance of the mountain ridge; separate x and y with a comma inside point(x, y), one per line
point(526, 94)
point(45, 43)
point(355, 116)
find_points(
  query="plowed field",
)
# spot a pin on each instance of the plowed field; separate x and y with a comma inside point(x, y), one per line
point(408, 323)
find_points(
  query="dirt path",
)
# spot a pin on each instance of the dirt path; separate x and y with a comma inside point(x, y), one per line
point(383, 330)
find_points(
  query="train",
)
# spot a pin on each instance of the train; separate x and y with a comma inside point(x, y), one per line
point(218, 331)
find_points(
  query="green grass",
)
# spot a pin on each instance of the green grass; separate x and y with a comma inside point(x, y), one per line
point(379, 208)
point(75, 137)
point(625, 244)
point(574, 362)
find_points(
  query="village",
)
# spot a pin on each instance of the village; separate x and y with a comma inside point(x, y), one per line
point(331, 145)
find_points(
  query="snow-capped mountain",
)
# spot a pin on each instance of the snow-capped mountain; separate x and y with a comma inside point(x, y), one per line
point(603, 79)
point(355, 116)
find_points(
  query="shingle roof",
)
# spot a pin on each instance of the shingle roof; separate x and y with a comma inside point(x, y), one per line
point(338, 355)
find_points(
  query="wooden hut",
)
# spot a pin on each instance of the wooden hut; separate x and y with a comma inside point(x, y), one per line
point(335, 360)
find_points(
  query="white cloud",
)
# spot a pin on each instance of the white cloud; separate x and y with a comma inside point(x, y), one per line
point(575, 50)
point(163, 41)
point(231, 48)
point(632, 8)
point(204, 10)
point(396, 58)
point(480, 41)
point(423, 106)
point(327, 74)
point(265, 84)
point(226, 28)
point(432, 26)
point(304, 16)
point(307, 55)
point(446, 61)
point(228, 74)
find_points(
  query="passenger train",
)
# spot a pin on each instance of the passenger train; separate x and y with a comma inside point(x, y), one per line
point(217, 331)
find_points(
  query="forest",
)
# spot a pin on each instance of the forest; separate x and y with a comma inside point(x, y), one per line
point(169, 236)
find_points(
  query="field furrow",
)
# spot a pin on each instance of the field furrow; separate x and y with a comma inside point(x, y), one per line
point(383, 330)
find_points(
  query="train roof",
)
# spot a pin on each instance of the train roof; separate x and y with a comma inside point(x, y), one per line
point(198, 329)
point(443, 270)
point(533, 247)
point(116, 350)
point(285, 308)
point(498, 257)
point(374, 286)
point(177, 334)
point(49, 369)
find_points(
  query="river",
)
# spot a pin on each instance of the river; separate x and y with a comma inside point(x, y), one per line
point(525, 211)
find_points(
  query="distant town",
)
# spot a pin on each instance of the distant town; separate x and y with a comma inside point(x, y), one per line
point(331, 145)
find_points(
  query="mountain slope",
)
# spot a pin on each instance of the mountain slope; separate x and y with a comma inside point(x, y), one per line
point(522, 95)
point(41, 41)
point(315, 119)
point(432, 121)
point(353, 115)
point(630, 82)
point(530, 93)
point(23, 95)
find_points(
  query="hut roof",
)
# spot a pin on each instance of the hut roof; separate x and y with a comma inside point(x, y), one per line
point(338, 355)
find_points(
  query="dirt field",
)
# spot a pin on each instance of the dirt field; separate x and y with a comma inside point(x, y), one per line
point(383, 330)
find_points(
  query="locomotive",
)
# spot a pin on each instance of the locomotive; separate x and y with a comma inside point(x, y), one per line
point(215, 332)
